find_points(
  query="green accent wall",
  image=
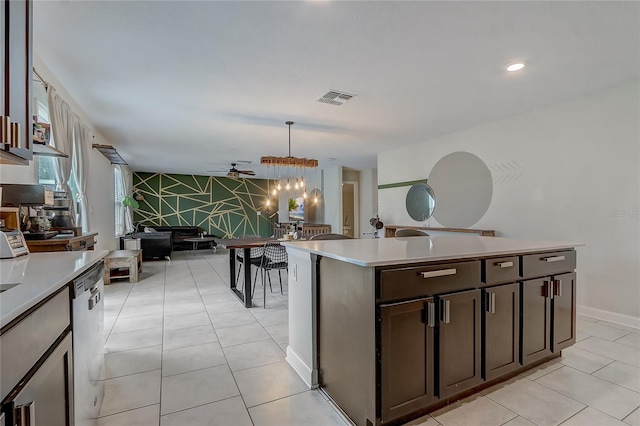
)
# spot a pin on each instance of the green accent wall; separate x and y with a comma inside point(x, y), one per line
point(221, 206)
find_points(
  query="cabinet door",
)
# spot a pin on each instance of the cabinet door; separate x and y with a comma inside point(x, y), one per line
point(406, 357)
point(501, 330)
point(3, 47)
point(536, 320)
point(49, 392)
point(459, 342)
point(564, 311)
point(18, 71)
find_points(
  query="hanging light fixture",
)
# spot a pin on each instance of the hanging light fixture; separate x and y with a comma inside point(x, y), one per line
point(289, 161)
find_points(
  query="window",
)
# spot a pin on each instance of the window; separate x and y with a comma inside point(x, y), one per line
point(46, 165)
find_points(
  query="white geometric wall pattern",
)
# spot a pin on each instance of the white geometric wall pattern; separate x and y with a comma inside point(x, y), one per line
point(221, 206)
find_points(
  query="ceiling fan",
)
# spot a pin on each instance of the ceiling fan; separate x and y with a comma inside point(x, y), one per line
point(235, 173)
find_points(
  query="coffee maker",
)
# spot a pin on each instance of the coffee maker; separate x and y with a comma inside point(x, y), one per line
point(61, 214)
point(29, 199)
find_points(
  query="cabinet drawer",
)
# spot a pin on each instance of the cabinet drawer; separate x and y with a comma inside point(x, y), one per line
point(428, 280)
point(23, 344)
point(500, 270)
point(538, 265)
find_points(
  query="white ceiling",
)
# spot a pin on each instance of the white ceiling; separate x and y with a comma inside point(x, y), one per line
point(188, 87)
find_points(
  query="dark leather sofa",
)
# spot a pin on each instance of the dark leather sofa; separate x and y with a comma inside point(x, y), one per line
point(178, 235)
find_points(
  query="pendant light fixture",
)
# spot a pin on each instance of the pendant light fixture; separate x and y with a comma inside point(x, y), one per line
point(294, 181)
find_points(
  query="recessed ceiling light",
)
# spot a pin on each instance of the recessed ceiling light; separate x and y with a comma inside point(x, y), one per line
point(515, 67)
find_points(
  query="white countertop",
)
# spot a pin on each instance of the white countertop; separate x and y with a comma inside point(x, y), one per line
point(39, 275)
point(398, 251)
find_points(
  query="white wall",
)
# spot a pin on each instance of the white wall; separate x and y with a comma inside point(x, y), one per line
point(579, 166)
point(332, 193)
point(100, 191)
point(368, 200)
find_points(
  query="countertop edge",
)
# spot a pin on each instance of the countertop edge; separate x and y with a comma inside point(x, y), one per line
point(57, 284)
point(543, 246)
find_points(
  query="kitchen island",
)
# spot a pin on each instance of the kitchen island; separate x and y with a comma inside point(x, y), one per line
point(51, 343)
point(394, 328)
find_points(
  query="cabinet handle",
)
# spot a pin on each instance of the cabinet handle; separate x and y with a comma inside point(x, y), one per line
point(557, 287)
point(5, 129)
point(431, 320)
point(446, 307)
point(438, 273)
point(548, 289)
point(504, 264)
point(490, 303)
point(26, 414)
point(16, 135)
point(553, 258)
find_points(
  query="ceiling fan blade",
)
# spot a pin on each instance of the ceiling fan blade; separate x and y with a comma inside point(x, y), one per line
point(247, 172)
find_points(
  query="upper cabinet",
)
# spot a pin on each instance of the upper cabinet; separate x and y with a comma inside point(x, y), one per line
point(16, 63)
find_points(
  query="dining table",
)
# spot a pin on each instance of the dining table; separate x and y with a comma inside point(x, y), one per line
point(245, 244)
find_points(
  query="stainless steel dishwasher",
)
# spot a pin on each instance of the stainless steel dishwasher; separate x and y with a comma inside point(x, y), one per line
point(87, 319)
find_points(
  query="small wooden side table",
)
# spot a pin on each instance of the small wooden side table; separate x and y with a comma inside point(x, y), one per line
point(123, 259)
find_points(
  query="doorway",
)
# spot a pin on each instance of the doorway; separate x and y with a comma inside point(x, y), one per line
point(350, 209)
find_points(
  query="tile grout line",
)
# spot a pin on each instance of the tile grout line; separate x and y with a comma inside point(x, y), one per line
point(580, 411)
point(164, 298)
point(604, 356)
point(223, 353)
point(586, 403)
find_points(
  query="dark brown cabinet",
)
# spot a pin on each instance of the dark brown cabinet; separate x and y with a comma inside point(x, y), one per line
point(425, 334)
point(406, 353)
point(548, 316)
point(17, 68)
point(459, 344)
point(536, 320)
point(563, 313)
point(36, 367)
point(501, 330)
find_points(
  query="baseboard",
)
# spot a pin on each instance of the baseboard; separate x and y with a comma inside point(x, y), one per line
point(303, 370)
point(603, 315)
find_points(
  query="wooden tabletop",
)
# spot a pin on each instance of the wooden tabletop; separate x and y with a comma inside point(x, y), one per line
point(235, 243)
point(62, 239)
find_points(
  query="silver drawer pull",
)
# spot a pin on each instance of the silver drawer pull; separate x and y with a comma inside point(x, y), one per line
point(553, 258)
point(439, 273)
point(504, 264)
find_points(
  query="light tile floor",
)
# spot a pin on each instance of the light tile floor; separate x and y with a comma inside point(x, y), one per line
point(182, 350)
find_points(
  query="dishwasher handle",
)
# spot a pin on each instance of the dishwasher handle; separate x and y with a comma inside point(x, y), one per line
point(88, 278)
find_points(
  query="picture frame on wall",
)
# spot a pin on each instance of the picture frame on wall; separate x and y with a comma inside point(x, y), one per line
point(296, 208)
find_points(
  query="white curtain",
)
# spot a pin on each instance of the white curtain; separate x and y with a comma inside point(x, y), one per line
point(125, 190)
point(62, 123)
point(80, 168)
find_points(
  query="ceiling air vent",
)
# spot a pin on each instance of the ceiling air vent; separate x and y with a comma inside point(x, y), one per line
point(334, 97)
